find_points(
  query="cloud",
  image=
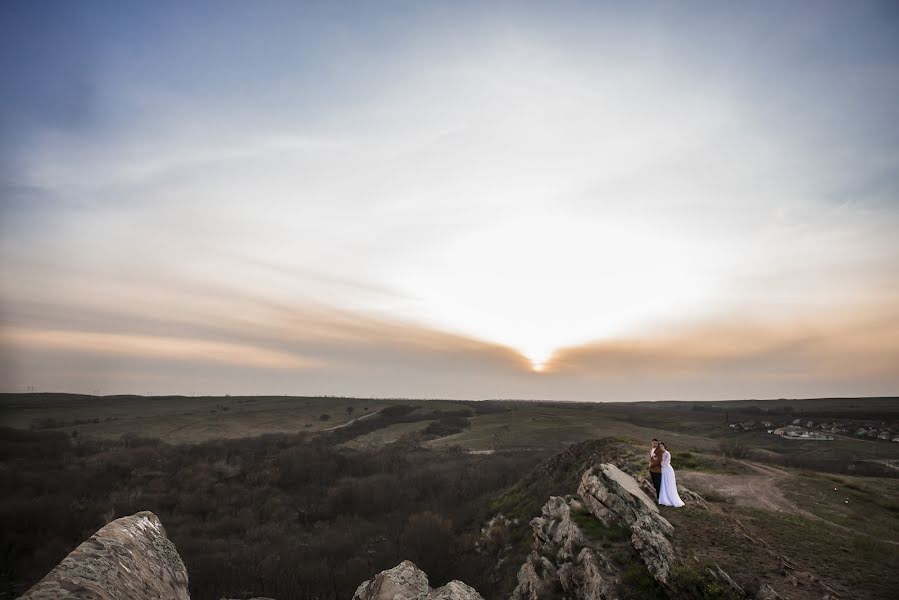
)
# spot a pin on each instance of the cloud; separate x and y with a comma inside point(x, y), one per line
point(154, 347)
point(451, 202)
point(854, 346)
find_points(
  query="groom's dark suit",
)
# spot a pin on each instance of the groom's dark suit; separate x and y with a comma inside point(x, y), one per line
point(655, 470)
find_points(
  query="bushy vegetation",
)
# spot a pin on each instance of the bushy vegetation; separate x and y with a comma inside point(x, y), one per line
point(691, 583)
point(733, 448)
point(594, 529)
point(284, 516)
point(447, 425)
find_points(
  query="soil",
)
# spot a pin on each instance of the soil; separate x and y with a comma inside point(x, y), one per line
point(756, 487)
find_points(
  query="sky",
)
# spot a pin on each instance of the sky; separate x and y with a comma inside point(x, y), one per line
point(571, 200)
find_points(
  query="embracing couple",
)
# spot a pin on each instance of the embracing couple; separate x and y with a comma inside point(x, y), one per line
point(663, 475)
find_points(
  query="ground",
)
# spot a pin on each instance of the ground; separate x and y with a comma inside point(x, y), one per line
point(755, 486)
point(806, 531)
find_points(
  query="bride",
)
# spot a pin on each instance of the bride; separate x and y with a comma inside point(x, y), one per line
point(668, 492)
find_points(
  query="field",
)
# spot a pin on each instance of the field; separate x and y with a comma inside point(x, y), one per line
point(344, 486)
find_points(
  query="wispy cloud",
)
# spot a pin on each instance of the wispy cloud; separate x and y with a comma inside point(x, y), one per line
point(449, 201)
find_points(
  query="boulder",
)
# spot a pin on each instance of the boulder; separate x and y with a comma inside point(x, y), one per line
point(537, 578)
point(455, 590)
point(407, 582)
point(613, 496)
point(130, 557)
point(555, 529)
point(648, 537)
point(585, 578)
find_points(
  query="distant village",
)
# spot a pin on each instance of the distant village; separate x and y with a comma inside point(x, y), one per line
point(807, 429)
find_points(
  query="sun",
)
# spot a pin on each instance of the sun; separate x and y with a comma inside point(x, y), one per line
point(539, 359)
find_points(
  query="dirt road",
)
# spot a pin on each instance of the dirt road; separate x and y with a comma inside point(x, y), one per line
point(351, 421)
point(756, 487)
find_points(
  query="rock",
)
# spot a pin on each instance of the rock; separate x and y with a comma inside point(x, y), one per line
point(455, 590)
point(130, 557)
point(613, 496)
point(725, 579)
point(537, 578)
point(586, 579)
point(648, 538)
point(407, 582)
point(647, 487)
point(766, 592)
point(554, 528)
point(403, 582)
point(564, 561)
point(692, 498)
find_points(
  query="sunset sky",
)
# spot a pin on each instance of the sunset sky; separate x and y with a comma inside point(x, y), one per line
point(565, 200)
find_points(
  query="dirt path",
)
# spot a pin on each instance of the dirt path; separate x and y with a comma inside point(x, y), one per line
point(757, 487)
point(351, 421)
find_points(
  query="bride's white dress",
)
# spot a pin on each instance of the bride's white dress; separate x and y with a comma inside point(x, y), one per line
point(668, 492)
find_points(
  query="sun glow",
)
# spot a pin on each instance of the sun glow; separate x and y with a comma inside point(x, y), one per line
point(541, 283)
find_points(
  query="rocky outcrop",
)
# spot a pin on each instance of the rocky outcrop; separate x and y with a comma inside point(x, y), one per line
point(568, 561)
point(563, 559)
point(649, 539)
point(130, 557)
point(613, 496)
point(407, 582)
point(555, 528)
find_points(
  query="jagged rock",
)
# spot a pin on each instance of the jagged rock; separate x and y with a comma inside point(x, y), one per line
point(130, 557)
point(403, 582)
point(495, 532)
point(556, 529)
point(766, 592)
point(722, 576)
point(613, 496)
point(563, 560)
point(537, 578)
point(648, 537)
point(455, 590)
point(407, 582)
point(586, 579)
point(692, 498)
point(804, 578)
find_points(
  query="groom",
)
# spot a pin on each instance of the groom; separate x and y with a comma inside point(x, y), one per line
point(655, 467)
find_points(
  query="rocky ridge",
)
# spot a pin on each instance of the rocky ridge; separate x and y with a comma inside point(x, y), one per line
point(578, 544)
point(566, 560)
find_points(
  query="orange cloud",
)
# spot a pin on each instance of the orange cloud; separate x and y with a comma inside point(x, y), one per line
point(849, 344)
point(169, 348)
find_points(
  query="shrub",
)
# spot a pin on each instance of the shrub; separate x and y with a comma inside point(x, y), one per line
point(699, 584)
point(447, 426)
point(734, 449)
